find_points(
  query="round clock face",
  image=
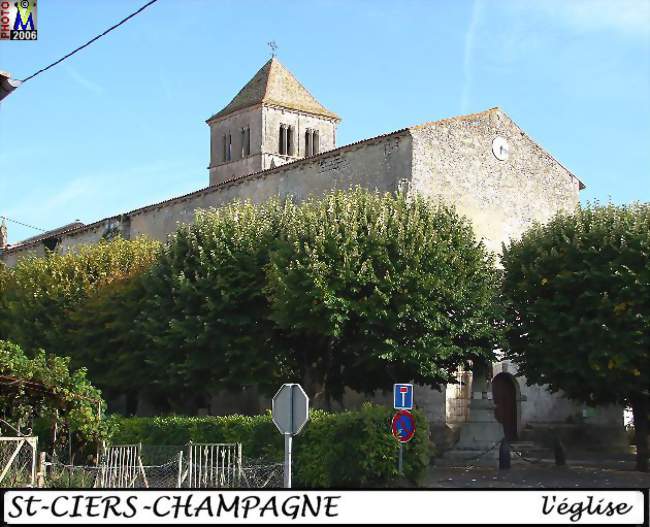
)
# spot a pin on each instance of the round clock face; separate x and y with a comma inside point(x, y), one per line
point(500, 148)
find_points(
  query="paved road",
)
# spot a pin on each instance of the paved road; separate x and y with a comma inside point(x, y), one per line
point(539, 475)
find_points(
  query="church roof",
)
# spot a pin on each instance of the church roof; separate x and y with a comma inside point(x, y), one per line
point(274, 84)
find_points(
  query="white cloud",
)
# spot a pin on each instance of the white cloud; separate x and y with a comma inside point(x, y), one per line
point(628, 17)
point(83, 81)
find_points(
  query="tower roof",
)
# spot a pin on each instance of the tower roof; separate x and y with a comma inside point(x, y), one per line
point(274, 84)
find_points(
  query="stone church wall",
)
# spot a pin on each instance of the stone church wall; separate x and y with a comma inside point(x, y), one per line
point(377, 163)
point(374, 164)
point(453, 162)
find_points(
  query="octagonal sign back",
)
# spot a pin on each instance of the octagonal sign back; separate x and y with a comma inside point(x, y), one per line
point(290, 409)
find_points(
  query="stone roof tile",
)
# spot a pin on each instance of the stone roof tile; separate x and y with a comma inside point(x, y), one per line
point(274, 84)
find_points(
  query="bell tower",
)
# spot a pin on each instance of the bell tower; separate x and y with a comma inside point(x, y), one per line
point(271, 121)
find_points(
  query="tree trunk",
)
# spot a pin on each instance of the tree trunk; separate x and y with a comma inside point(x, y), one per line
point(640, 411)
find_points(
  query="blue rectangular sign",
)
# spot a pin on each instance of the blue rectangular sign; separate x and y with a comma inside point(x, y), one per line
point(403, 396)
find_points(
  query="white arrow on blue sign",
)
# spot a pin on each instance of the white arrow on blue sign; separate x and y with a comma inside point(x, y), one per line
point(403, 396)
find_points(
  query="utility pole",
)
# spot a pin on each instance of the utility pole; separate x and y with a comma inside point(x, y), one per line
point(4, 238)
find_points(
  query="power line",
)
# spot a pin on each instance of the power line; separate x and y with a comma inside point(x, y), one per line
point(91, 40)
point(23, 224)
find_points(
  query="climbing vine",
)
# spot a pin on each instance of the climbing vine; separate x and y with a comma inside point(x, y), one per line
point(45, 388)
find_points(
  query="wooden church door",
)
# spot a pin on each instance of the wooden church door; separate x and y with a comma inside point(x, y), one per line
point(504, 394)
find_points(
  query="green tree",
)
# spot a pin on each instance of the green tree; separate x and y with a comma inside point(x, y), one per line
point(205, 314)
point(370, 289)
point(578, 307)
point(105, 339)
point(39, 293)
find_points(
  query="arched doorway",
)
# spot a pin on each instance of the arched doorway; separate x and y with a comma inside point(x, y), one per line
point(504, 394)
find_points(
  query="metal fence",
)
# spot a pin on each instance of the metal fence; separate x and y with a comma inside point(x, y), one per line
point(18, 461)
point(195, 465)
point(211, 465)
point(121, 468)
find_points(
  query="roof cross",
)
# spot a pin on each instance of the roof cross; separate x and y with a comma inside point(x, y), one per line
point(273, 46)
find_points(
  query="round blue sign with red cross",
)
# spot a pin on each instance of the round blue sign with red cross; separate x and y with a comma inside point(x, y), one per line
point(403, 426)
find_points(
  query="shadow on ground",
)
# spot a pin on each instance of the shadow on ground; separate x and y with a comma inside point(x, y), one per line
point(612, 474)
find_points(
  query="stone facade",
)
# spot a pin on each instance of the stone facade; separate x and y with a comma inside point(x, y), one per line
point(483, 163)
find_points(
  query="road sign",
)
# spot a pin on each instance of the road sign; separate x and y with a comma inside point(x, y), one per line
point(403, 396)
point(403, 426)
point(290, 409)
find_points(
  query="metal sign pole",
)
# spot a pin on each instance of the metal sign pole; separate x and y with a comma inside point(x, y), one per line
point(290, 409)
point(288, 439)
point(400, 466)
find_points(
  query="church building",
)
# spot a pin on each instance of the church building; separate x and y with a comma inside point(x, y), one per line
point(275, 139)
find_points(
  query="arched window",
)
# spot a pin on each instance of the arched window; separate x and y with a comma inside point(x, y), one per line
point(312, 142)
point(242, 143)
point(308, 144)
point(286, 140)
point(315, 142)
point(245, 142)
point(290, 140)
point(282, 146)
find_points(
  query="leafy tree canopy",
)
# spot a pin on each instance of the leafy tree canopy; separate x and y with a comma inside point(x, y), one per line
point(45, 387)
point(371, 289)
point(204, 313)
point(353, 289)
point(578, 304)
point(39, 294)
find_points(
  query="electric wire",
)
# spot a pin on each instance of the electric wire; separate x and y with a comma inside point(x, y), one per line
point(115, 26)
point(23, 224)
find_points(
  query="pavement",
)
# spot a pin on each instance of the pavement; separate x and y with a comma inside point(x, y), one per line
point(587, 473)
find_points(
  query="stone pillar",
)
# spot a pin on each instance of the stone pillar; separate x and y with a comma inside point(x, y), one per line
point(290, 140)
point(481, 431)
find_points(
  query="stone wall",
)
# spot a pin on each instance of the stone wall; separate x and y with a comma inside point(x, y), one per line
point(232, 124)
point(274, 117)
point(376, 163)
point(453, 162)
point(372, 164)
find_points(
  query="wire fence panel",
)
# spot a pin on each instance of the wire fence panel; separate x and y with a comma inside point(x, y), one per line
point(62, 476)
point(262, 475)
point(18, 461)
point(213, 465)
point(195, 465)
point(121, 468)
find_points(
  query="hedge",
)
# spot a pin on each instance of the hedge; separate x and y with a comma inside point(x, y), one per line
point(347, 449)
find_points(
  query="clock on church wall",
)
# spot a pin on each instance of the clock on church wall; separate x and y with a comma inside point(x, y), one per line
point(500, 148)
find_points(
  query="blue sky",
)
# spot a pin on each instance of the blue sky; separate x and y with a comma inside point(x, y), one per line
point(121, 124)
